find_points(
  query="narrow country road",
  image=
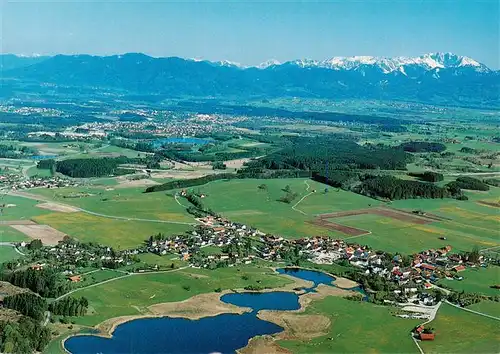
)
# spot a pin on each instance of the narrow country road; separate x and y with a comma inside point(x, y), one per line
point(431, 318)
point(294, 207)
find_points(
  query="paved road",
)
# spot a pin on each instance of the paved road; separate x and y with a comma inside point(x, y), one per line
point(431, 318)
point(37, 197)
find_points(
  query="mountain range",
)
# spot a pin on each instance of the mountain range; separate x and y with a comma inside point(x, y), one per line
point(436, 77)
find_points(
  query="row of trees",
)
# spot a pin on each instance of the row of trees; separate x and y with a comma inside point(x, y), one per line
point(28, 304)
point(46, 282)
point(70, 306)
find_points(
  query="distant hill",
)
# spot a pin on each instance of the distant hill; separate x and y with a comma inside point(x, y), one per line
point(442, 78)
point(11, 61)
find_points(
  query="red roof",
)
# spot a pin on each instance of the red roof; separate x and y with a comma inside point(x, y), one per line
point(459, 268)
point(426, 336)
point(419, 329)
point(427, 266)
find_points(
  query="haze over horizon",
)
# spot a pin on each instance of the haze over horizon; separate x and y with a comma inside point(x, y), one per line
point(251, 33)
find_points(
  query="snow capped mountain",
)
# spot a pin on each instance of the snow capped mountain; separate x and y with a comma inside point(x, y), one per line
point(268, 63)
point(426, 62)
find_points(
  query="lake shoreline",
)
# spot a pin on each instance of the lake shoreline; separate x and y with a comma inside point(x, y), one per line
point(210, 305)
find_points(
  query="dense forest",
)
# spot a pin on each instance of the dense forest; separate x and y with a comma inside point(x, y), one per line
point(46, 282)
point(422, 146)
point(24, 336)
point(70, 306)
point(427, 176)
point(28, 304)
point(469, 183)
point(394, 188)
point(334, 152)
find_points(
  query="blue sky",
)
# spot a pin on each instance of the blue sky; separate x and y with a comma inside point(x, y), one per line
point(252, 32)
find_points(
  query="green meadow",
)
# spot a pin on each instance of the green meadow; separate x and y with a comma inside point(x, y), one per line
point(459, 331)
point(132, 295)
point(20, 209)
point(356, 327)
point(120, 234)
point(243, 201)
point(123, 202)
point(8, 253)
point(477, 280)
point(491, 308)
point(9, 234)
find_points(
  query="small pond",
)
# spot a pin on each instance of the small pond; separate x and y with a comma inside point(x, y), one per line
point(276, 300)
point(309, 275)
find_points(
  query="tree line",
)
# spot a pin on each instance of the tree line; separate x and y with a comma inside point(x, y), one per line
point(427, 176)
point(422, 146)
point(394, 188)
point(96, 167)
point(46, 282)
point(469, 183)
point(70, 306)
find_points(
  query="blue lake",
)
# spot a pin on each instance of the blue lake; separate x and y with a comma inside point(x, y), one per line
point(223, 334)
point(276, 300)
point(181, 140)
point(309, 275)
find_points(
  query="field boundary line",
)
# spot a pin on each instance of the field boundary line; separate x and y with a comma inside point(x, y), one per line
point(27, 196)
point(472, 311)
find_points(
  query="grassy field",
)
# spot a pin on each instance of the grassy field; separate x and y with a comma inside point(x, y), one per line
point(357, 328)
point(8, 234)
point(477, 280)
point(127, 202)
point(491, 308)
point(34, 171)
point(459, 331)
point(8, 253)
point(121, 234)
point(24, 209)
point(131, 295)
point(242, 201)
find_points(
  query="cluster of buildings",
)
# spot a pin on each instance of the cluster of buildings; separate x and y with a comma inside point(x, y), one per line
point(15, 182)
point(69, 255)
point(232, 238)
point(171, 125)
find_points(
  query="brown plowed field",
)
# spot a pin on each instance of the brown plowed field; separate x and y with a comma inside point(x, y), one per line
point(401, 215)
point(348, 230)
